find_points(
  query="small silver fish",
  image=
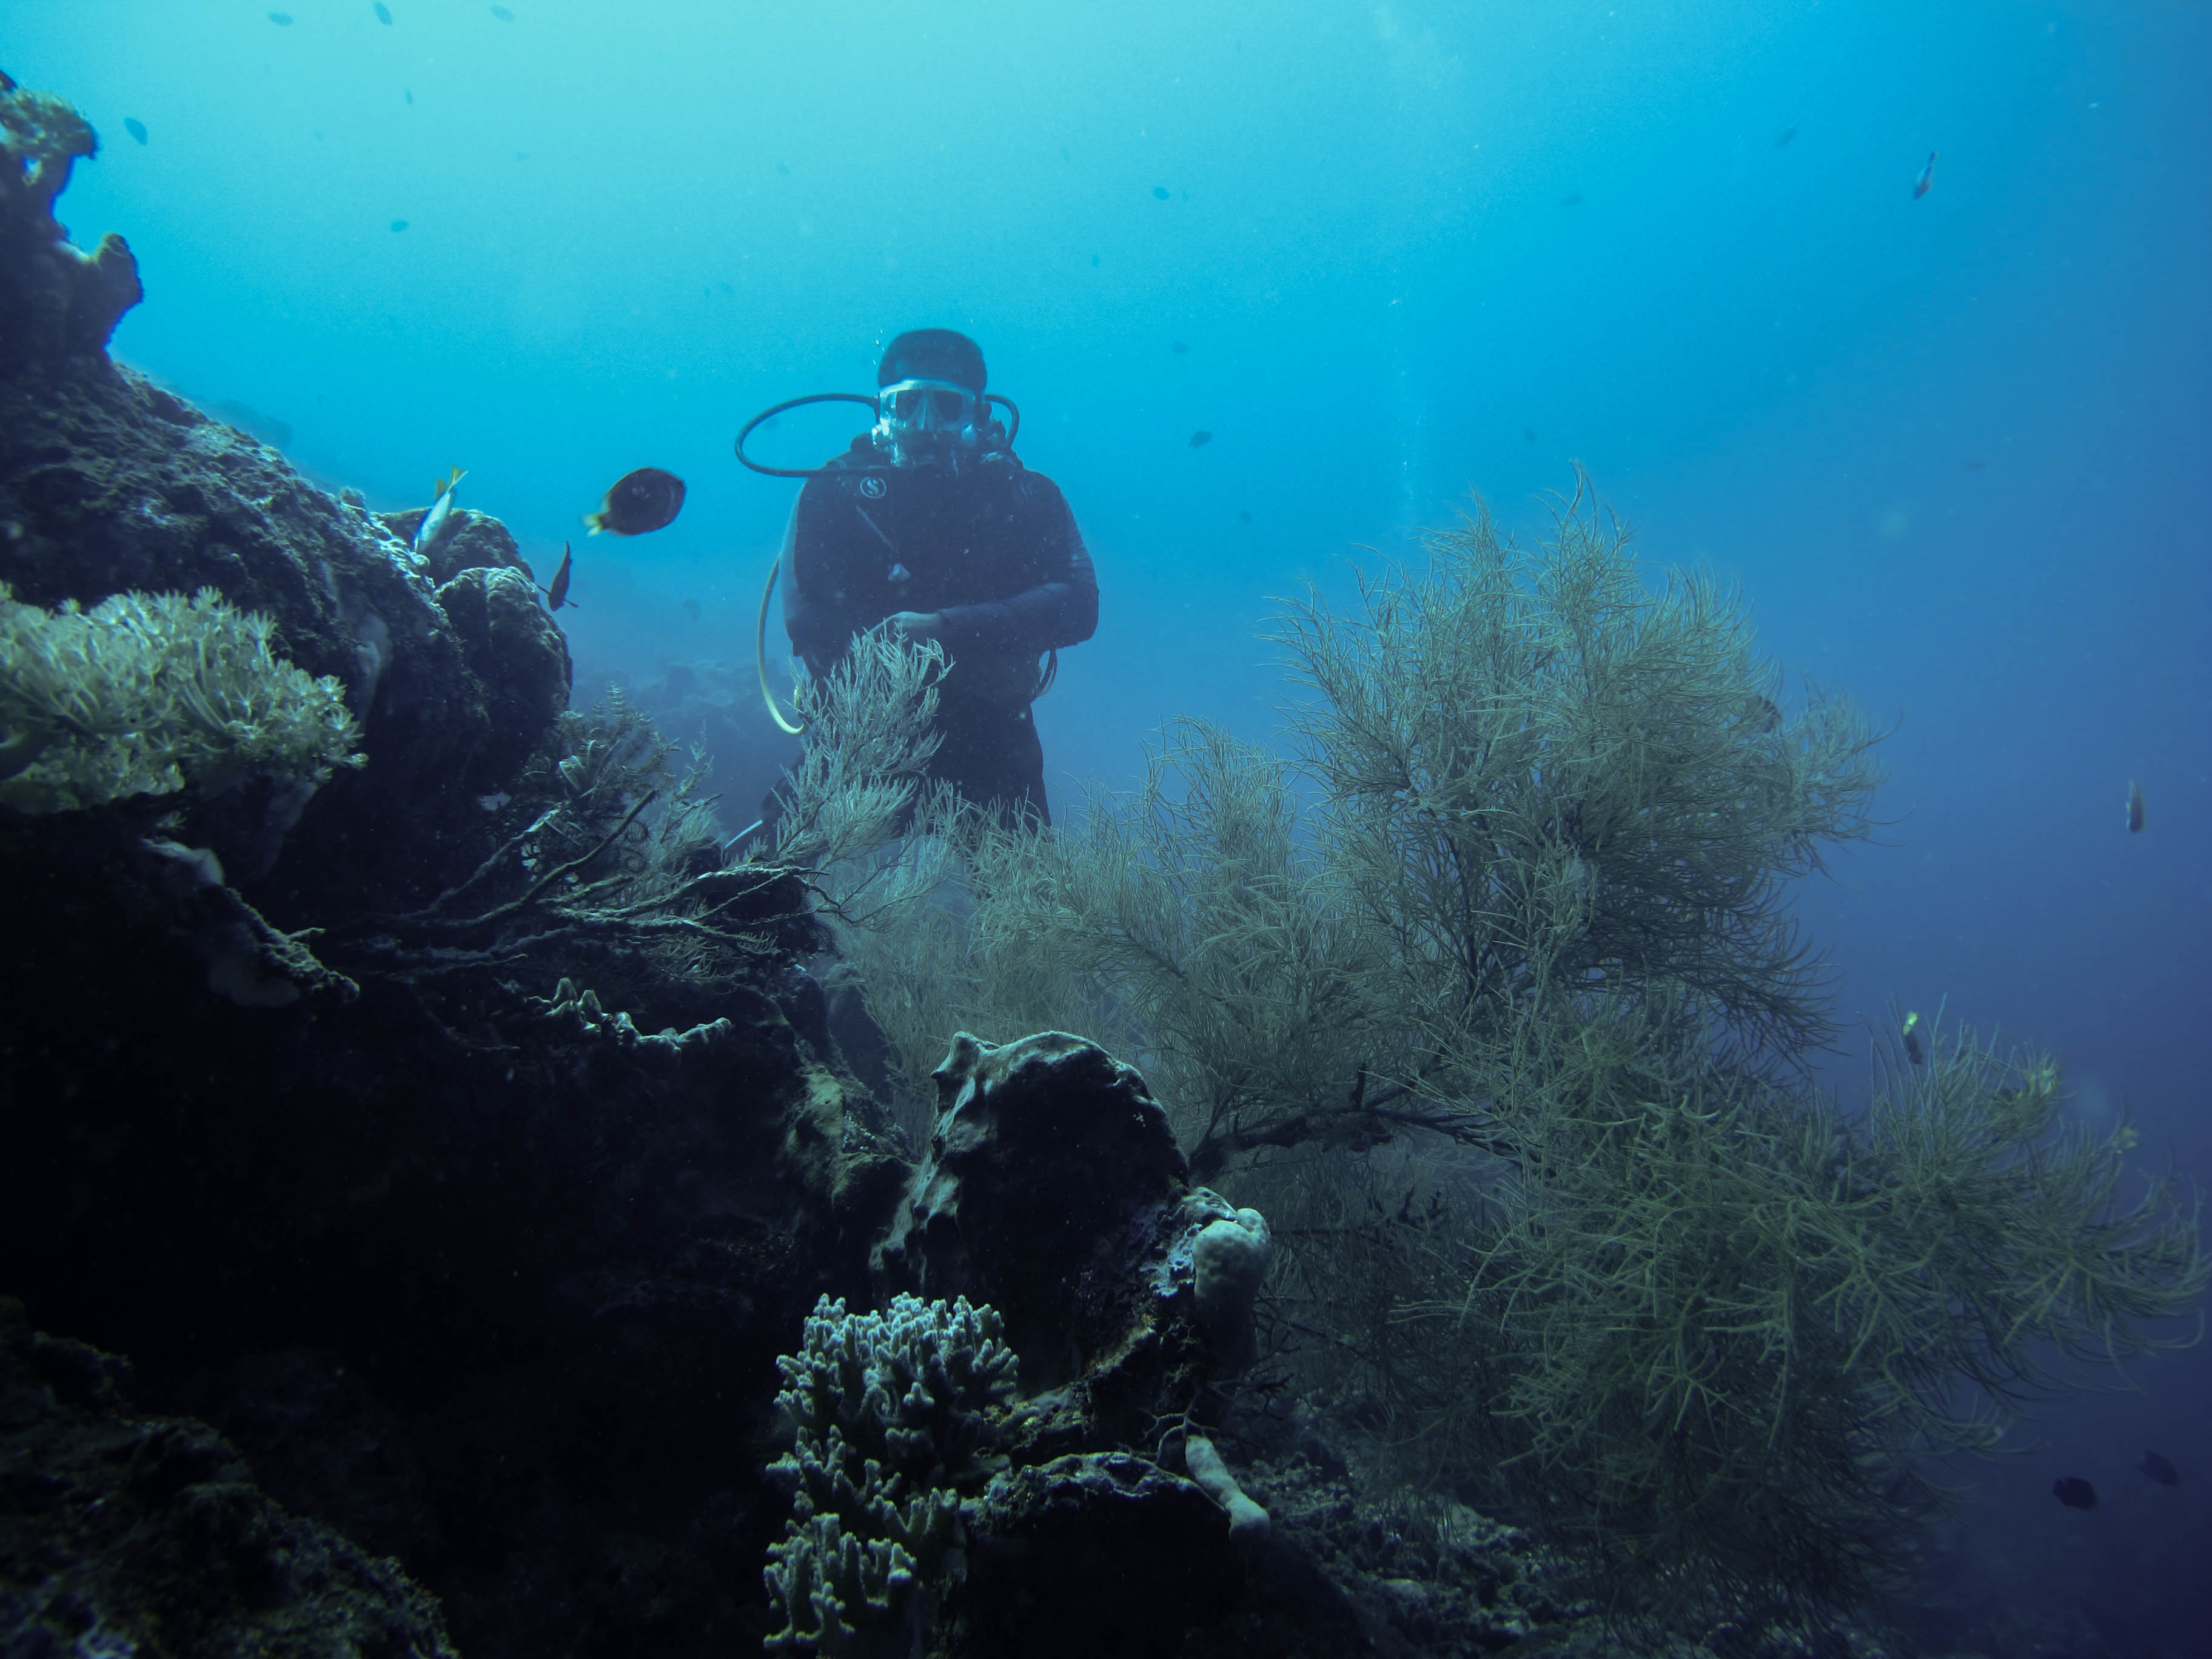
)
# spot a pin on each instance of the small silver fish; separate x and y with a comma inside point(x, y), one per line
point(2135, 819)
point(442, 508)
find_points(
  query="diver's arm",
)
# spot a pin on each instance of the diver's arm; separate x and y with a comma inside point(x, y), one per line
point(1060, 612)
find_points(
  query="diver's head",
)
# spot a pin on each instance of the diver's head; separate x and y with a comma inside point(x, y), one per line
point(930, 407)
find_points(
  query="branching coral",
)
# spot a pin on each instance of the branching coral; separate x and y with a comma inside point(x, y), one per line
point(894, 1415)
point(147, 692)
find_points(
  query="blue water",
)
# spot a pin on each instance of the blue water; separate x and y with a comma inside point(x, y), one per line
point(1953, 448)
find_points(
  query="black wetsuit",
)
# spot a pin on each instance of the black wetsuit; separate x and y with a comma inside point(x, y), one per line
point(993, 550)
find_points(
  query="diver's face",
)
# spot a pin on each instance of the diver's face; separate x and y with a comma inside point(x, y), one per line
point(925, 420)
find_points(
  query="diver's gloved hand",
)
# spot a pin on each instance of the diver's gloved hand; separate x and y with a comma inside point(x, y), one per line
point(920, 626)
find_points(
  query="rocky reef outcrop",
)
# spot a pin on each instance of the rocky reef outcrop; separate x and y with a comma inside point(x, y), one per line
point(456, 1137)
point(123, 1534)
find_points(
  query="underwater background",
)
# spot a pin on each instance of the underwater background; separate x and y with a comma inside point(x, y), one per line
point(1952, 447)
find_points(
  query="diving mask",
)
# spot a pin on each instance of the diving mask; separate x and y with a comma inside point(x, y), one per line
point(926, 415)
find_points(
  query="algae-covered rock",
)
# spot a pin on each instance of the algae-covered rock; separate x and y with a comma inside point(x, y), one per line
point(517, 652)
point(123, 1534)
point(1092, 1557)
point(56, 302)
point(1050, 1172)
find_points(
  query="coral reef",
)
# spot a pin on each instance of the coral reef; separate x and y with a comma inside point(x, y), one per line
point(466, 1142)
point(547, 1171)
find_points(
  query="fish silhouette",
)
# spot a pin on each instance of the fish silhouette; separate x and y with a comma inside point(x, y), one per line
point(2159, 1469)
point(2074, 1491)
point(646, 500)
point(557, 594)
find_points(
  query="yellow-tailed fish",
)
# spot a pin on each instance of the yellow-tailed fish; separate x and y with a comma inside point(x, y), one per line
point(442, 507)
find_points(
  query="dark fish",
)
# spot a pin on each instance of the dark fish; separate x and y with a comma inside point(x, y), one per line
point(1572, 198)
point(691, 610)
point(782, 171)
point(1094, 262)
point(1914, 1051)
point(2160, 1470)
point(282, 19)
point(1529, 433)
point(383, 13)
point(1784, 136)
point(648, 498)
point(1200, 439)
point(1179, 349)
point(2135, 819)
point(502, 13)
point(1975, 465)
point(399, 224)
point(1244, 515)
point(2074, 1491)
point(135, 127)
point(1159, 192)
point(409, 91)
point(557, 594)
point(1927, 178)
point(1762, 713)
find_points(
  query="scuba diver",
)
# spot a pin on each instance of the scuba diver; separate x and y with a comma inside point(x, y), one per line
point(928, 521)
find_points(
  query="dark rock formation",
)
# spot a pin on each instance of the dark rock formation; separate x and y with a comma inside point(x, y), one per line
point(1049, 1174)
point(1092, 1556)
point(306, 1111)
point(121, 1533)
point(56, 302)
